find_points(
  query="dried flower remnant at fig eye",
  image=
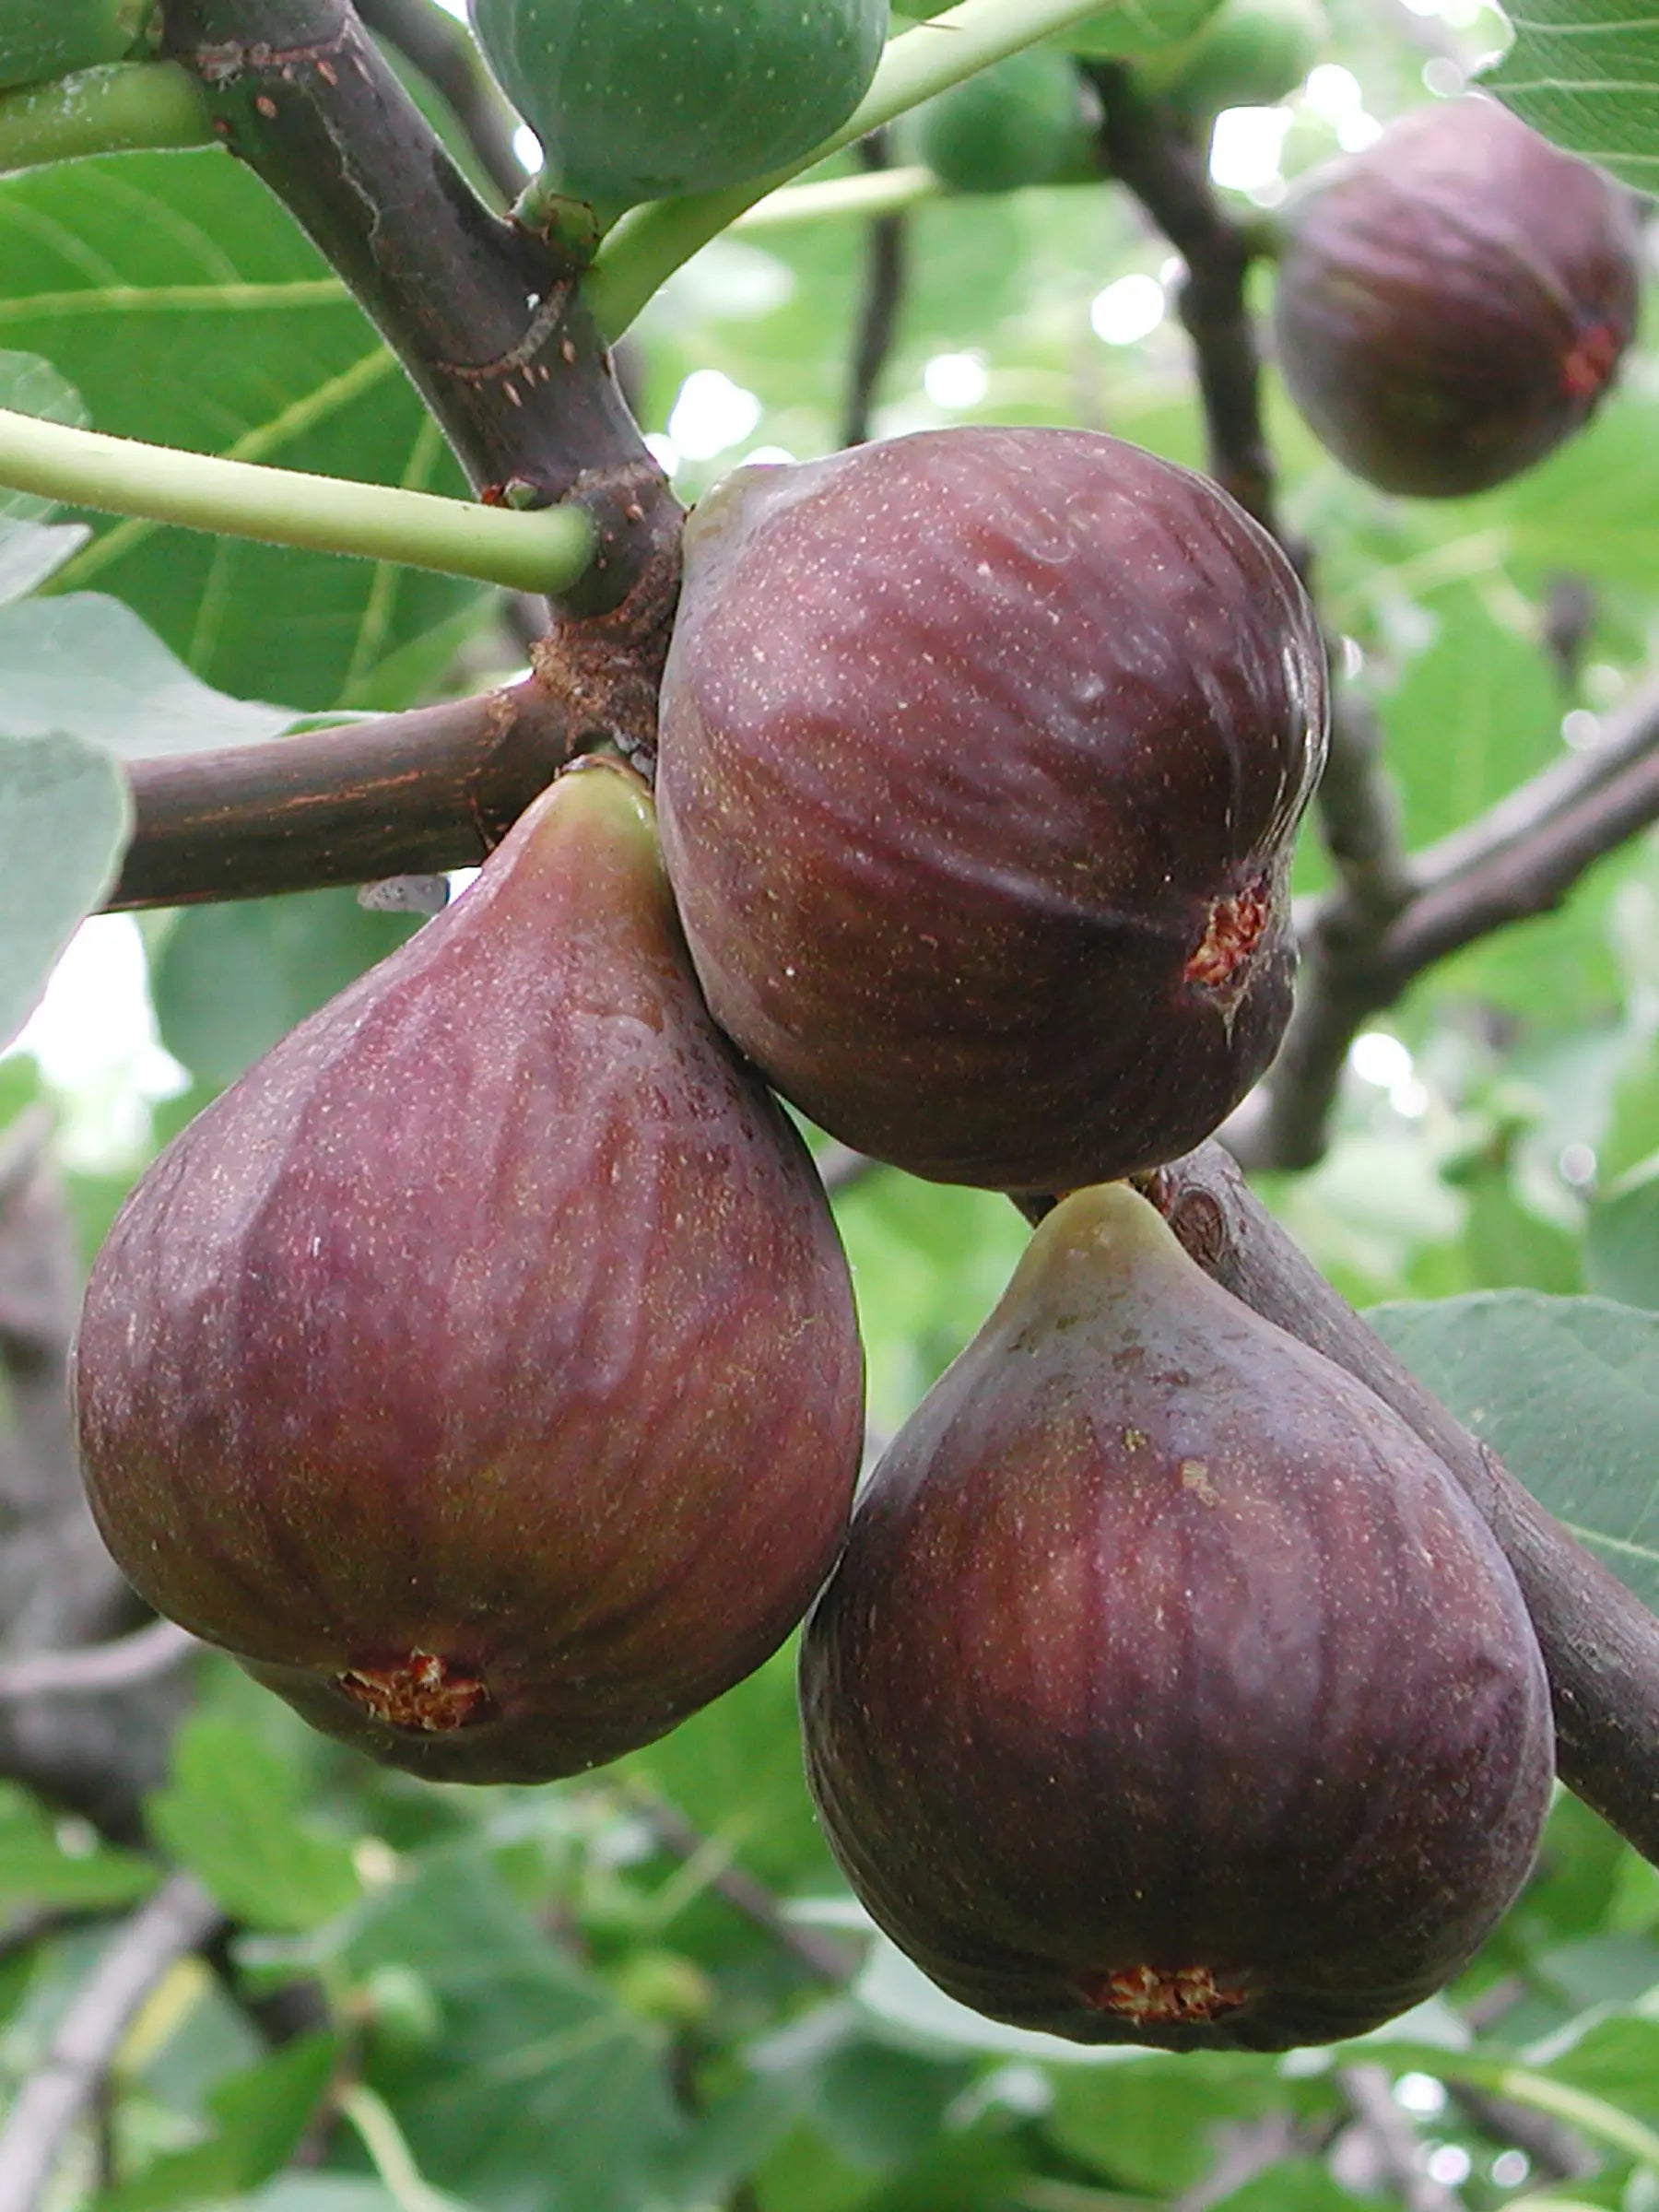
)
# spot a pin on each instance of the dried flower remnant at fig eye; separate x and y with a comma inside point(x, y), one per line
point(1154, 1995)
point(423, 1692)
point(1221, 964)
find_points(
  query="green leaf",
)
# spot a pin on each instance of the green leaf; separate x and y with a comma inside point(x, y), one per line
point(233, 978)
point(1586, 74)
point(36, 1870)
point(186, 307)
point(1621, 1239)
point(1293, 2185)
point(63, 819)
point(262, 2114)
point(89, 666)
point(1151, 2126)
point(1566, 1391)
point(734, 1770)
point(541, 2093)
point(230, 1812)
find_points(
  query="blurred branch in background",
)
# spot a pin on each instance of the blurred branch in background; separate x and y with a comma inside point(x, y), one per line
point(1150, 151)
point(179, 1918)
point(883, 297)
point(58, 1587)
point(1520, 859)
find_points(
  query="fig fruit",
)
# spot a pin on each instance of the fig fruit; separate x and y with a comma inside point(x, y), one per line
point(635, 99)
point(1250, 53)
point(1168, 1691)
point(981, 756)
point(44, 39)
point(1021, 121)
point(480, 1368)
point(1452, 303)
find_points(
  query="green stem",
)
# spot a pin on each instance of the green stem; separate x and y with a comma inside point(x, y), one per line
point(545, 551)
point(878, 192)
point(393, 2160)
point(1592, 2115)
point(647, 246)
point(125, 107)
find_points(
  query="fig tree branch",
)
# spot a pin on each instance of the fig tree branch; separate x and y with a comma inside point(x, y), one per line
point(123, 107)
point(139, 1657)
point(439, 47)
point(486, 317)
point(1600, 1644)
point(1148, 150)
point(543, 552)
point(821, 1955)
point(1519, 860)
point(883, 296)
point(410, 794)
point(51, 2104)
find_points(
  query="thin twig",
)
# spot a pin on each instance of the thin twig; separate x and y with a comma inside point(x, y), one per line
point(883, 296)
point(1392, 2142)
point(1520, 860)
point(821, 1955)
point(1600, 1643)
point(1146, 146)
point(58, 2095)
point(101, 1667)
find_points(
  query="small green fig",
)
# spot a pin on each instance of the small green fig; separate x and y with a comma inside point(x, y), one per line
point(981, 752)
point(1021, 121)
point(1250, 53)
point(636, 99)
point(40, 39)
point(1168, 1691)
point(480, 1368)
point(1452, 303)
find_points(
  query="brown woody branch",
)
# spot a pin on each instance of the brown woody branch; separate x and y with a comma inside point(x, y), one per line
point(1600, 1644)
point(1156, 156)
point(885, 242)
point(408, 793)
point(439, 47)
point(1520, 860)
point(487, 318)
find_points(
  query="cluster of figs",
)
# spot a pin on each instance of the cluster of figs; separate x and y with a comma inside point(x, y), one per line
point(481, 1368)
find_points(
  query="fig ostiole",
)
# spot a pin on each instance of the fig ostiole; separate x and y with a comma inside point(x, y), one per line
point(480, 1368)
point(1452, 303)
point(1168, 1691)
point(982, 755)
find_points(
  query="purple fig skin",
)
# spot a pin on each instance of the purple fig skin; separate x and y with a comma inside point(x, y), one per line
point(981, 756)
point(1452, 303)
point(1168, 1691)
point(481, 1368)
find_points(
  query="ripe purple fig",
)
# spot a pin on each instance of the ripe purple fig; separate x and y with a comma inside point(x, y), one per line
point(1452, 301)
point(480, 1368)
point(1168, 1691)
point(981, 753)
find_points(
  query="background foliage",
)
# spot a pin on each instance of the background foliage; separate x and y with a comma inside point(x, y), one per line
point(649, 1988)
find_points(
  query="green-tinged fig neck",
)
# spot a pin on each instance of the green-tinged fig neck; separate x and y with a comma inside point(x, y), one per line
point(1091, 1240)
point(596, 793)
